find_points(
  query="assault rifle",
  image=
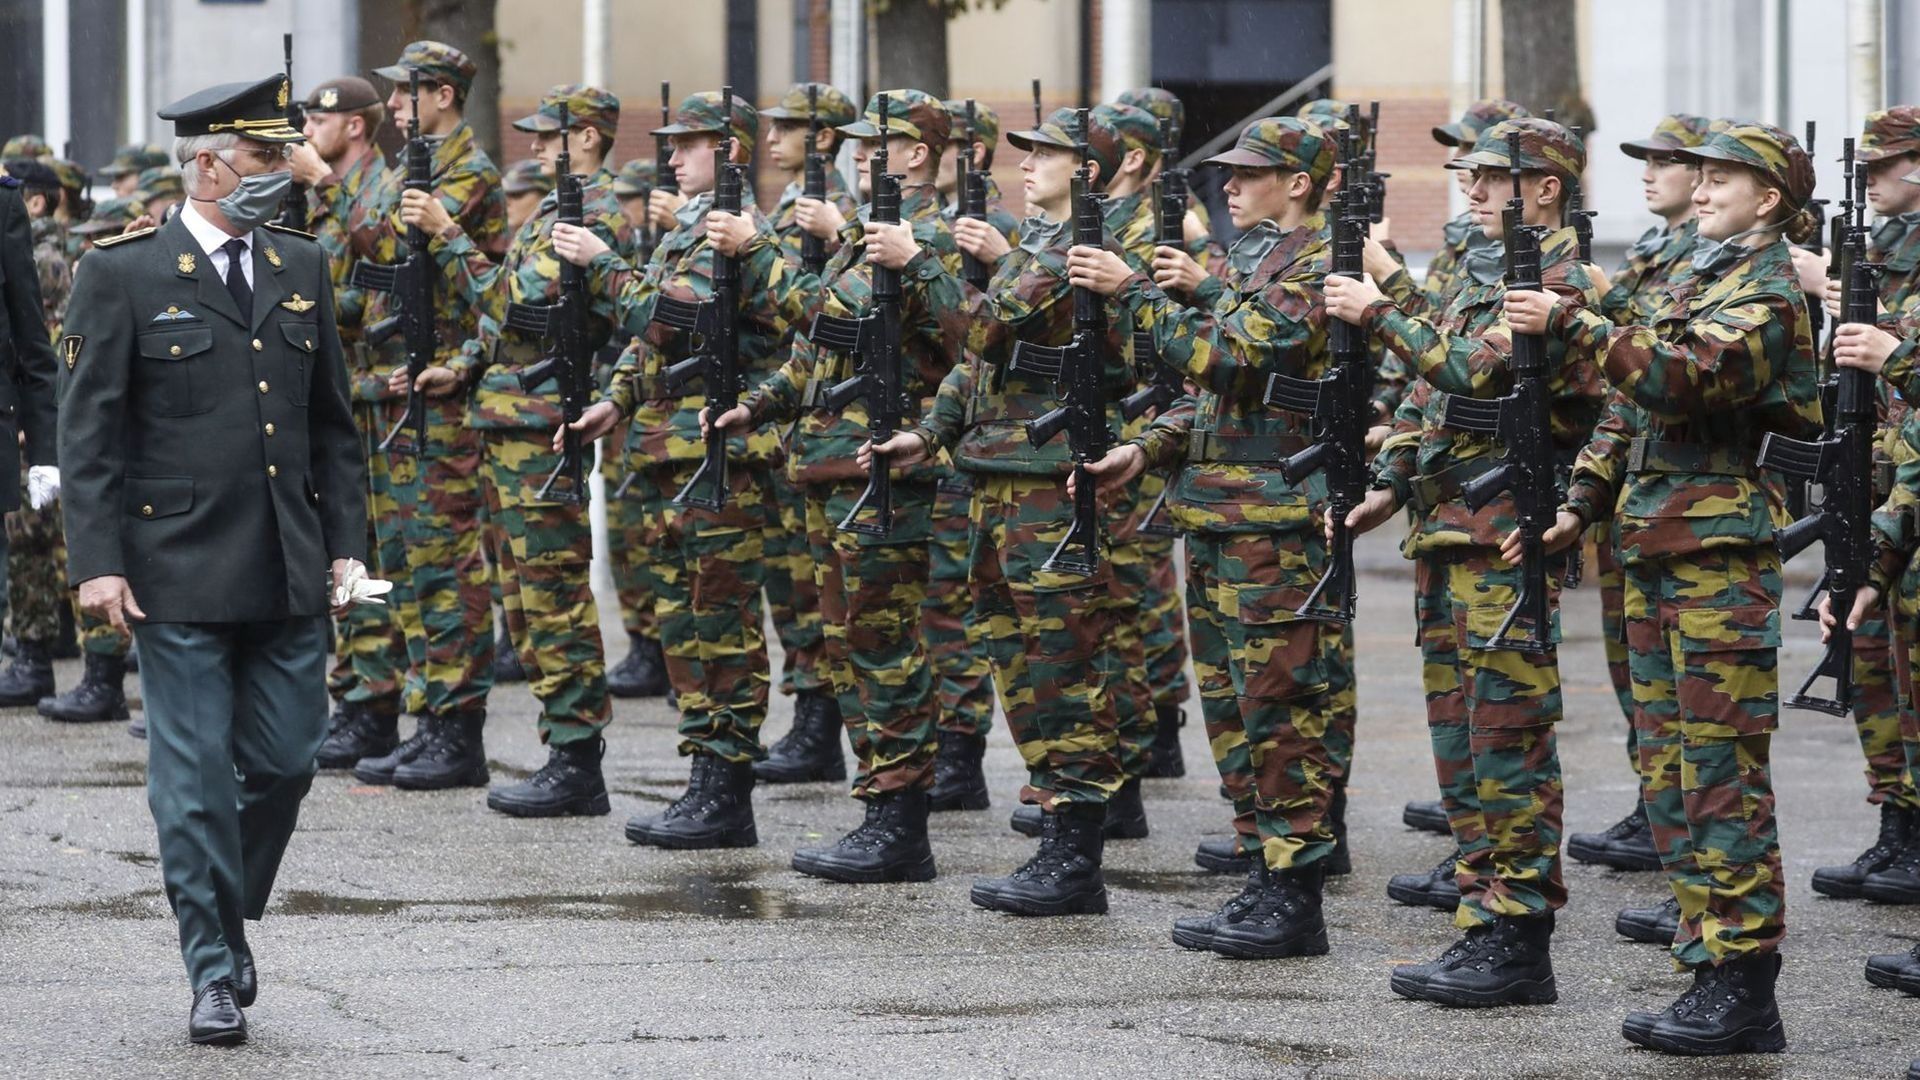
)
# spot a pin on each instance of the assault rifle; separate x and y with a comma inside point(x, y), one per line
point(874, 342)
point(663, 178)
point(569, 361)
point(813, 249)
point(411, 284)
point(1078, 369)
point(1575, 212)
point(1164, 384)
point(971, 187)
point(714, 324)
point(1799, 492)
point(293, 205)
point(1841, 462)
point(1340, 403)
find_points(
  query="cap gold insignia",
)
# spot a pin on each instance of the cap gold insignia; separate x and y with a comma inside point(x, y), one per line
point(296, 304)
point(186, 262)
point(273, 257)
point(280, 100)
point(329, 98)
point(70, 349)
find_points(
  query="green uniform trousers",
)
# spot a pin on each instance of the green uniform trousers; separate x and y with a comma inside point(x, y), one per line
point(955, 635)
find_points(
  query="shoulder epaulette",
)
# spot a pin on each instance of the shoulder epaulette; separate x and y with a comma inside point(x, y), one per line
point(277, 227)
point(109, 241)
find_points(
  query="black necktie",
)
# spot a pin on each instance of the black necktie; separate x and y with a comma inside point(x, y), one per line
point(236, 250)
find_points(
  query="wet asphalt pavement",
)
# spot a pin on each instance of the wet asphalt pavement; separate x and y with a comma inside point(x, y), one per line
point(423, 935)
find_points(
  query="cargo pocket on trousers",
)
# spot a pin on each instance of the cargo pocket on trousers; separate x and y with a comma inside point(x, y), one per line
point(1728, 661)
point(1286, 656)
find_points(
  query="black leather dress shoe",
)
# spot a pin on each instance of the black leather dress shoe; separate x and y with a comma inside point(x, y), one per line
point(246, 982)
point(216, 1019)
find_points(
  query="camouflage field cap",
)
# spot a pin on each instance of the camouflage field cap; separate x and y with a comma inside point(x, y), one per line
point(834, 107)
point(26, 146)
point(636, 177)
point(587, 107)
point(1679, 131)
point(134, 158)
point(1544, 147)
point(71, 176)
point(1161, 103)
point(1322, 111)
point(1138, 129)
point(1889, 132)
point(1103, 143)
point(523, 177)
point(1774, 154)
point(913, 113)
point(435, 60)
point(349, 93)
point(986, 122)
point(1285, 142)
point(160, 183)
point(702, 112)
point(1479, 116)
point(111, 216)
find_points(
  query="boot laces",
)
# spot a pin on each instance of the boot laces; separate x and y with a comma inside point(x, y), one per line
point(1627, 826)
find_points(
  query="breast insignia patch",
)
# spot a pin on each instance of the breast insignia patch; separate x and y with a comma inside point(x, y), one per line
point(186, 262)
point(70, 349)
point(273, 257)
point(297, 305)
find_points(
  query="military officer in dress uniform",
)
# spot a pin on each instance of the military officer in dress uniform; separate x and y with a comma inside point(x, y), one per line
point(215, 504)
point(26, 363)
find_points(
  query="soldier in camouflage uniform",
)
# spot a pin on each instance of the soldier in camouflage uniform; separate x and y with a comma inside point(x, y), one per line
point(1675, 460)
point(123, 172)
point(1165, 106)
point(810, 750)
point(29, 147)
point(544, 547)
point(110, 218)
point(873, 586)
point(1055, 637)
point(160, 189)
point(1254, 545)
point(1640, 293)
point(76, 202)
point(709, 597)
point(1491, 707)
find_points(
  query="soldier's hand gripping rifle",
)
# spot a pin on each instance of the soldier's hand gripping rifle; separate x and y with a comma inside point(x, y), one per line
point(563, 323)
point(874, 342)
point(1078, 369)
point(1340, 403)
point(411, 284)
point(1164, 384)
point(293, 205)
point(1841, 462)
point(1523, 423)
point(813, 249)
point(714, 326)
point(971, 185)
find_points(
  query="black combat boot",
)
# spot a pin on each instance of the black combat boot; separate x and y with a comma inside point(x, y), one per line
point(890, 845)
point(1164, 759)
point(1843, 882)
point(810, 750)
point(506, 662)
point(1427, 815)
point(1284, 920)
point(959, 783)
point(29, 677)
point(1896, 971)
point(99, 697)
point(1626, 845)
point(569, 783)
point(359, 733)
point(1436, 888)
point(716, 810)
point(1656, 925)
point(1196, 931)
point(1222, 855)
point(1510, 966)
point(644, 671)
point(1340, 862)
point(1730, 1009)
point(379, 769)
point(1063, 877)
point(1410, 980)
point(456, 756)
point(1126, 815)
point(1899, 881)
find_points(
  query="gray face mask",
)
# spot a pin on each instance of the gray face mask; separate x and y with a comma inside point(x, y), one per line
point(1711, 257)
point(256, 201)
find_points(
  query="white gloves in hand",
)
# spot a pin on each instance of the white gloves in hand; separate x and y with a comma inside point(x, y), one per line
point(43, 485)
point(355, 587)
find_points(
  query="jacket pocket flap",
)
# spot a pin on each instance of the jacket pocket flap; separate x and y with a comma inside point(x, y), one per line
point(176, 344)
point(301, 336)
point(1732, 629)
point(158, 496)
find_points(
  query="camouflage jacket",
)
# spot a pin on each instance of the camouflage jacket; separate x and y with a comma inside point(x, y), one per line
point(933, 331)
point(490, 360)
point(788, 229)
point(1673, 459)
point(330, 206)
point(1642, 286)
point(1446, 274)
point(1896, 523)
point(56, 272)
point(666, 424)
point(1466, 352)
point(1896, 247)
point(981, 409)
point(998, 215)
point(1270, 320)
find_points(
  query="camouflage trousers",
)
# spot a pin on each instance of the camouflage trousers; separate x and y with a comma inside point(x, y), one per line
point(872, 590)
point(448, 622)
point(1877, 715)
point(627, 554)
point(793, 590)
point(371, 665)
point(1904, 606)
point(36, 572)
point(707, 587)
point(1609, 578)
point(955, 637)
point(546, 552)
point(1490, 716)
point(1056, 639)
point(1267, 680)
point(1142, 573)
point(1703, 633)
point(1164, 634)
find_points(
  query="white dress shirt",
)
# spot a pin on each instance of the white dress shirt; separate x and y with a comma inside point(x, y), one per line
point(212, 239)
